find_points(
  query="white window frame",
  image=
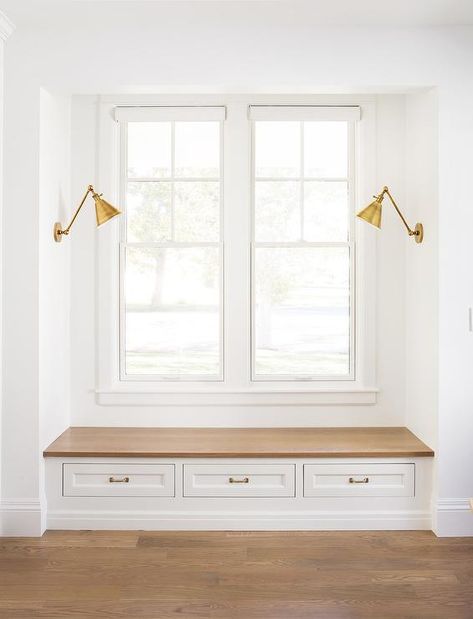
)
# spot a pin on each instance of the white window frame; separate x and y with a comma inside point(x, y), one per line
point(302, 114)
point(124, 115)
point(237, 389)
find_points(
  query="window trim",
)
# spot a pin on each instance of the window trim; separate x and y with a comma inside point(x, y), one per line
point(238, 390)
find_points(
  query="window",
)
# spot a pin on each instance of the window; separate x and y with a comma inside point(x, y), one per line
point(303, 258)
point(171, 239)
point(237, 262)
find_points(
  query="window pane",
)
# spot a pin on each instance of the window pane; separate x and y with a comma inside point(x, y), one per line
point(277, 211)
point(148, 212)
point(325, 211)
point(172, 318)
point(196, 214)
point(325, 149)
point(149, 150)
point(277, 149)
point(197, 149)
point(302, 311)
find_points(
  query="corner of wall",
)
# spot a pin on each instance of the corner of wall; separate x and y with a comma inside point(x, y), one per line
point(421, 164)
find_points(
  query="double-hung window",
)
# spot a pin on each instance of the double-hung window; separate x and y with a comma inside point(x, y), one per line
point(171, 275)
point(237, 263)
point(303, 260)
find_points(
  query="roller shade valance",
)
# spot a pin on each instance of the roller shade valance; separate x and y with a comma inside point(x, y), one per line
point(304, 112)
point(163, 113)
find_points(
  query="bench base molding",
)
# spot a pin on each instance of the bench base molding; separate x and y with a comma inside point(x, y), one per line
point(269, 521)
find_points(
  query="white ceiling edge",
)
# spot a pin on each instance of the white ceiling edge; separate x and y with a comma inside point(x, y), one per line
point(171, 1)
point(402, 13)
point(343, 13)
point(6, 26)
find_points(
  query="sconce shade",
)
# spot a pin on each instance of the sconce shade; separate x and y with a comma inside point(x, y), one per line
point(372, 213)
point(103, 210)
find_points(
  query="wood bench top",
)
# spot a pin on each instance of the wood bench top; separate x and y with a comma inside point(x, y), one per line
point(238, 443)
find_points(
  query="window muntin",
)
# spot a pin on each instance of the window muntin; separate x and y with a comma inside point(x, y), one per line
point(303, 262)
point(171, 265)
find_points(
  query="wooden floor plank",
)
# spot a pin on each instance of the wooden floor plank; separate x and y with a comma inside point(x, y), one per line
point(237, 575)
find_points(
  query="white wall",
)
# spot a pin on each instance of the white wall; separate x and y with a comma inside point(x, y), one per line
point(422, 345)
point(421, 172)
point(20, 414)
point(37, 302)
point(6, 28)
point(455, 224)
point(245, 47)
point(54, 270)
point(36, 294)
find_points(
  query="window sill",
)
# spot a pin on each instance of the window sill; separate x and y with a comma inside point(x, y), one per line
point(254, 397)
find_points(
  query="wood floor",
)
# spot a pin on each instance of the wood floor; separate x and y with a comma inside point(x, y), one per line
point(342, 575)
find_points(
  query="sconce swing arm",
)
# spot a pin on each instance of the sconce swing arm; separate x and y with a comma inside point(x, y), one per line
point(417, 231)
point(58, 231)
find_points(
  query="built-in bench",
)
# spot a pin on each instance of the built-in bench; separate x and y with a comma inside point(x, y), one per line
point(238, 478)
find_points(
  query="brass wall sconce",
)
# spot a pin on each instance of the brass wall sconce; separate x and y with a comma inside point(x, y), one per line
point(372, 214)
point(103, 212)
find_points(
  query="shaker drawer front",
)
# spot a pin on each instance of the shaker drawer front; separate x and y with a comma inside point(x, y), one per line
point(239, 480)
point(118, 480)
point(358, 480)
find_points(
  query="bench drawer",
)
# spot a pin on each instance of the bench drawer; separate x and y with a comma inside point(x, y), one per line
point(239, 480)
point(358, 480)
point(118, 480)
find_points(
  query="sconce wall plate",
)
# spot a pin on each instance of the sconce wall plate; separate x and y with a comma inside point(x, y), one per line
point(419, 233)
point(58, 232)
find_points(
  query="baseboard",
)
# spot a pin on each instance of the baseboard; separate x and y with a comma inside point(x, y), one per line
point(236, 521)
point(21, 518)
point(453, 518)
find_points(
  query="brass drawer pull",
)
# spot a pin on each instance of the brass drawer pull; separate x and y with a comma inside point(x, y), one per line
point(365, 480)
point(115, 480)
point(245, 480)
